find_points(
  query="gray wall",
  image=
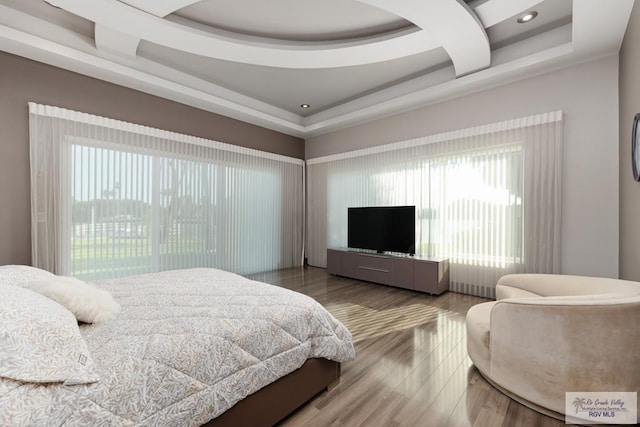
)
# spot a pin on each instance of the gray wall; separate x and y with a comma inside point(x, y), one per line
point(588, 95)
point(629, 189)
point(23, 80)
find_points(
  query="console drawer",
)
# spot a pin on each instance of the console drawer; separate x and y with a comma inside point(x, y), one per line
point(369, 267)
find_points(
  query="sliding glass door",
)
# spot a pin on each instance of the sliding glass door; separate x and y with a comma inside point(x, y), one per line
point(126, 202)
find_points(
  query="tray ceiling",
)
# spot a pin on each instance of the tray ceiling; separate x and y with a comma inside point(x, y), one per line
point(351, 60)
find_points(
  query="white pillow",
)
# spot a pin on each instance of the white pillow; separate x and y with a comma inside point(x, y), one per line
point(87, 302)
point(41, 341)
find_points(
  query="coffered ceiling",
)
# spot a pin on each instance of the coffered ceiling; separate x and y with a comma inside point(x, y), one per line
point(351, 61)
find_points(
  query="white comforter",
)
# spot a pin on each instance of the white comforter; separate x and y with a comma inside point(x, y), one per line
point(186, 346)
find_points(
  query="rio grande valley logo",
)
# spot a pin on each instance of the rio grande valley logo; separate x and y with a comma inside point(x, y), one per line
point(601, 407)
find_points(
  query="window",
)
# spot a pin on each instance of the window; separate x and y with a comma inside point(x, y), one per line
point(127, 201)
point(469, 205)
point(474, 213)
point(487, 198)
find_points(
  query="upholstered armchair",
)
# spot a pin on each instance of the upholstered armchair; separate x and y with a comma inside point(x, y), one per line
point(550, 334)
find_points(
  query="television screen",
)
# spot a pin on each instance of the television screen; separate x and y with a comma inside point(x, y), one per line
point(382, 228)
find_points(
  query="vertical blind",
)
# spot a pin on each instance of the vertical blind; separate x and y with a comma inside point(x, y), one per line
point(488, 198)
point(110, 198)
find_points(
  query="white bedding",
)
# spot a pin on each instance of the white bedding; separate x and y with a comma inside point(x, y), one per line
point(187, 346)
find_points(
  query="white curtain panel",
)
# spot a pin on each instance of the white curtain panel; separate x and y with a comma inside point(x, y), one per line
point(488, 198)
point(110, 198)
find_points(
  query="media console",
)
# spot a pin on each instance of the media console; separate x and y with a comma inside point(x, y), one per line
point(429, 275)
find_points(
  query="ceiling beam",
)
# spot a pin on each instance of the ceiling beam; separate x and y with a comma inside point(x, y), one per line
point(159, 8)
point(116, 42)
point(452, 23)
point(247, 49)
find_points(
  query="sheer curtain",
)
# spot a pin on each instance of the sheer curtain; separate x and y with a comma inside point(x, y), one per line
point(110, 198)
point(488, 198)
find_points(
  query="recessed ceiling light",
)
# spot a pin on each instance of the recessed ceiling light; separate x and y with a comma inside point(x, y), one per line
point(526, 17)
point(305, 105)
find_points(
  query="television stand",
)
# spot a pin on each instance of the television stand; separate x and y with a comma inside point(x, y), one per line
point(430, 275)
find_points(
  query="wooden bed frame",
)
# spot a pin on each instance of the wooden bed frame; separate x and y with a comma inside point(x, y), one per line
point(274, 402)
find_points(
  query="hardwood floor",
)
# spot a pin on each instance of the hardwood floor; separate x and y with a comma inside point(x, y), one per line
point(412, 367)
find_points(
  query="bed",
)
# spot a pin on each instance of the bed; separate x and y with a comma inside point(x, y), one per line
point(188, 348)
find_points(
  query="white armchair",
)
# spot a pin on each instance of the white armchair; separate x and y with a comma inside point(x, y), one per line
point(550, 334)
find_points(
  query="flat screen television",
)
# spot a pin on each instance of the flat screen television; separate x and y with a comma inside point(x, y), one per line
point(382, 228)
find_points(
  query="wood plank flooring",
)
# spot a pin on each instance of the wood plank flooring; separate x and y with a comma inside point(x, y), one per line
point(412, 367)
